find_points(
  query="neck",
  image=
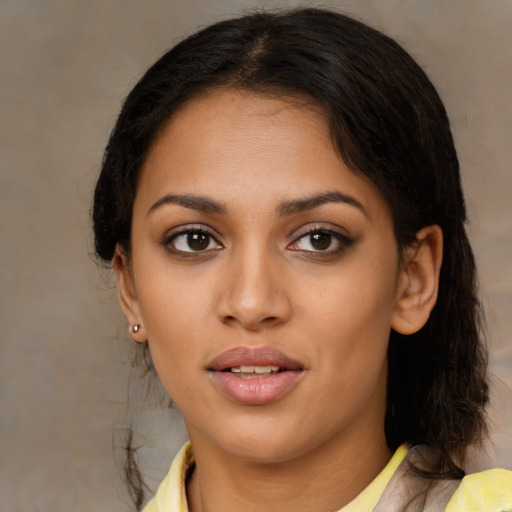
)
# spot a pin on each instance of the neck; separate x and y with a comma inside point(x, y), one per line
point(325, 479)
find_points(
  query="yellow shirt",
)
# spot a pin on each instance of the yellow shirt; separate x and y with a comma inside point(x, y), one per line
point(488, 491)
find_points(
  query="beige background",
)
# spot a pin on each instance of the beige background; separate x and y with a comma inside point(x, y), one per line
point(65, 67)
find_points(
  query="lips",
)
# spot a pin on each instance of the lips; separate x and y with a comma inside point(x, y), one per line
point(255, 376)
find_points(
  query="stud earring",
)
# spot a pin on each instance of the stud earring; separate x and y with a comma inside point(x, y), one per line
point(136, 328)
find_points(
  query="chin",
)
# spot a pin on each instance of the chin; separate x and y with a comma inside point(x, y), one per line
point(265, 451)
point(271, 442)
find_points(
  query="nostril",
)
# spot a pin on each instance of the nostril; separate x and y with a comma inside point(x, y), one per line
point(251, 323)
point(253, 311)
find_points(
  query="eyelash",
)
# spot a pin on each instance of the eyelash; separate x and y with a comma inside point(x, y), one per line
point(168, 241)
point(343, 240)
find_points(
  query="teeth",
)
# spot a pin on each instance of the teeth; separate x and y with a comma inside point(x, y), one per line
point(254, 369)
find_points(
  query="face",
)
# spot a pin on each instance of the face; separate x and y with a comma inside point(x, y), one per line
point(265, 276)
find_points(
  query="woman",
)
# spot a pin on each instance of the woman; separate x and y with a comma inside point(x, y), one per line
point(280, 200)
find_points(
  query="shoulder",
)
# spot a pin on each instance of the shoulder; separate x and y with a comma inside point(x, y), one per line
point(171, 494)
point(488, 491)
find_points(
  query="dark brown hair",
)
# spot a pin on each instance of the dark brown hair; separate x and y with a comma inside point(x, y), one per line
point(388, 124)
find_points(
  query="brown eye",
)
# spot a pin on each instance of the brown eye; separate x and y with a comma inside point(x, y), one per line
point(192, 241)
point(198, 241)
point(320, 241)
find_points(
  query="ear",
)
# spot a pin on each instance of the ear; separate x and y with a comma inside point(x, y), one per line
point(418, 281)
point(127, 295)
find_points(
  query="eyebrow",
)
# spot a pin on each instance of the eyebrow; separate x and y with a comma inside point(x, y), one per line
point(309, 203)
point(200, 203)
point(290, 207)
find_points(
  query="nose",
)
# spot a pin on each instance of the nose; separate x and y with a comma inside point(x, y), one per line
point(253, 291)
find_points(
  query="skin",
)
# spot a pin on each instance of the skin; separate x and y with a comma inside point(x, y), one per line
point(261, 283)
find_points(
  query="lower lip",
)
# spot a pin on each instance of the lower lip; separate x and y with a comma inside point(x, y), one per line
point(259, 390)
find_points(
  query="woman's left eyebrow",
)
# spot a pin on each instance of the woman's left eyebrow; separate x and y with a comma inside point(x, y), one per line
point(294, 206)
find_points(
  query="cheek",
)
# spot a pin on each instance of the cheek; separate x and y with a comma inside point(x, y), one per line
point(175, 317)
point(354, 300)
point(350, 317)
point(351, 358)
point(172, 299)
point(354, 347)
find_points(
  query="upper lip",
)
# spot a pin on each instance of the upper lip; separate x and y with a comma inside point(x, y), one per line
point(253, 356)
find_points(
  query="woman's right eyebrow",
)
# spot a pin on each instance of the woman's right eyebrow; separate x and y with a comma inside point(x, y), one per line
point(200, 203)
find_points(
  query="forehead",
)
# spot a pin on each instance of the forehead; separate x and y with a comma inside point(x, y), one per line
point(224, 118)
point(232, 142)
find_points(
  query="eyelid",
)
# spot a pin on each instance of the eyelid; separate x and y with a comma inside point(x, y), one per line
point(344, 239)
point(192, 226)
point(184, 229)
point(324, 227)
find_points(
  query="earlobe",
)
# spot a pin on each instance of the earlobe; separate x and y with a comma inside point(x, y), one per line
point(127, 295)
point(419, 281)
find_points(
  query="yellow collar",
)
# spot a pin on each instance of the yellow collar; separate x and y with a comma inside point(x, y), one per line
point(172, 495)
